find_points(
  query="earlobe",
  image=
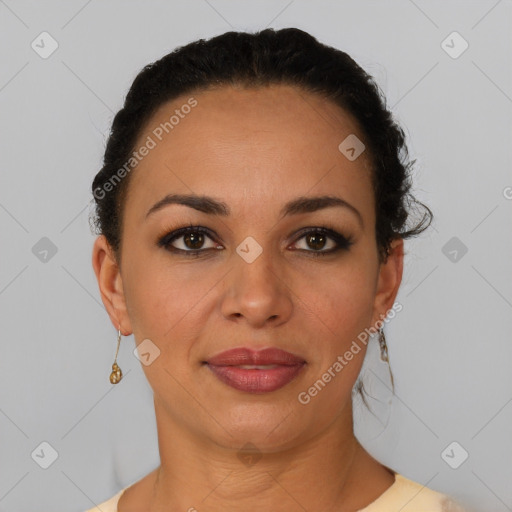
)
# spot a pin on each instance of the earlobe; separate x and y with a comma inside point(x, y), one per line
point(110, 284)
point(390, 277)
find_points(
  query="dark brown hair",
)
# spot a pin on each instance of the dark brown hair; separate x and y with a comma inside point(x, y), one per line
point(287, 56)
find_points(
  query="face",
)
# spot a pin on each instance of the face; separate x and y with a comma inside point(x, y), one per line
point(257, 265)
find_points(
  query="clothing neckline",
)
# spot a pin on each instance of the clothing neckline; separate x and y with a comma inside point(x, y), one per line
point(383, 498)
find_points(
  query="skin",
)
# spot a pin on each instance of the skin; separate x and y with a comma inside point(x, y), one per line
point(254, 150)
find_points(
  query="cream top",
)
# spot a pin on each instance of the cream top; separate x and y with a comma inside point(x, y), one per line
point(404, 495)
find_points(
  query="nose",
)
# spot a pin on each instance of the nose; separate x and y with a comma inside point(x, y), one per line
point(256, 293)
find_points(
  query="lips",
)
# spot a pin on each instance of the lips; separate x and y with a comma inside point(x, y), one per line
point(252, 371)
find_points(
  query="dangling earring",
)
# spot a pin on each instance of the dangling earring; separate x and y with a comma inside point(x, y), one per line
point(116, 374)
point(383, 346)
point(384, 355)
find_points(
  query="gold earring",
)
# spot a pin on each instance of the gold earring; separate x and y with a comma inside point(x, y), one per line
point(116, 374)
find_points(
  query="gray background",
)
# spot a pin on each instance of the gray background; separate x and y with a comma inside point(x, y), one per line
point(450, 347)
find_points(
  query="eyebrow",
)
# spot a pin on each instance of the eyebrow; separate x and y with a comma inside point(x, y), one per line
point(211, 206)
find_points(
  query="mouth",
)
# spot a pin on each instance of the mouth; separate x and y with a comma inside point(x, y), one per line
point(252, 371)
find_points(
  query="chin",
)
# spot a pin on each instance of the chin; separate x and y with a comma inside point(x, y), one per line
point(269, 427)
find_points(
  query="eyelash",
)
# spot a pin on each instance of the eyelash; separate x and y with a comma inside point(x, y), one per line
point(343, 242)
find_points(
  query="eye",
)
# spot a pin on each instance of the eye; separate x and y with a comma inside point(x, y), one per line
point(189, 240)
point(322, 241)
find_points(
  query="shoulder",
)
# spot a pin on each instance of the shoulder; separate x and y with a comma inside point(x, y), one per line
point(409, 496)
point(108, 506)
point(133, 495)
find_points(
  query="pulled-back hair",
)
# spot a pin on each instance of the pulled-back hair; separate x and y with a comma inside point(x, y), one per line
point(287, 56)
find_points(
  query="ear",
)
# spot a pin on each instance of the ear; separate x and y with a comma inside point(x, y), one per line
point(110, 284)
point(390, 277)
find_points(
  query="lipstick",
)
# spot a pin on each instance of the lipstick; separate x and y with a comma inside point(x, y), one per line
point(253, 371)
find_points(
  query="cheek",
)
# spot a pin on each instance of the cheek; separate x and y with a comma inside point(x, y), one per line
point(164, 299)
point(340, 297)
point(166, 305)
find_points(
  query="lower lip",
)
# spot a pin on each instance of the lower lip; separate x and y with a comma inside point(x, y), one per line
point(256, 381)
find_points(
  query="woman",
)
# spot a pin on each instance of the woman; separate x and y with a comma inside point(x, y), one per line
point(252, 209)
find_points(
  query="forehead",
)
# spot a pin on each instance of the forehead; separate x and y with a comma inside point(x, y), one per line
point(266, 142)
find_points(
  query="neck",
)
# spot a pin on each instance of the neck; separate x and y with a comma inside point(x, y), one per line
point(328, 472)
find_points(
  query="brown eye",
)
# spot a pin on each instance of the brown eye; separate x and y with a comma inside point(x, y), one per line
point(322, 241)
point(316, 241)
point(193, 240)
point(189, 241)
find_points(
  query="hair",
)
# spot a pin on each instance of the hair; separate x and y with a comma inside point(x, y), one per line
point(240, 59)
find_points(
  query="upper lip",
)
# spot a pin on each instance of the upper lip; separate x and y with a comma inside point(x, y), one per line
point(247, 356)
